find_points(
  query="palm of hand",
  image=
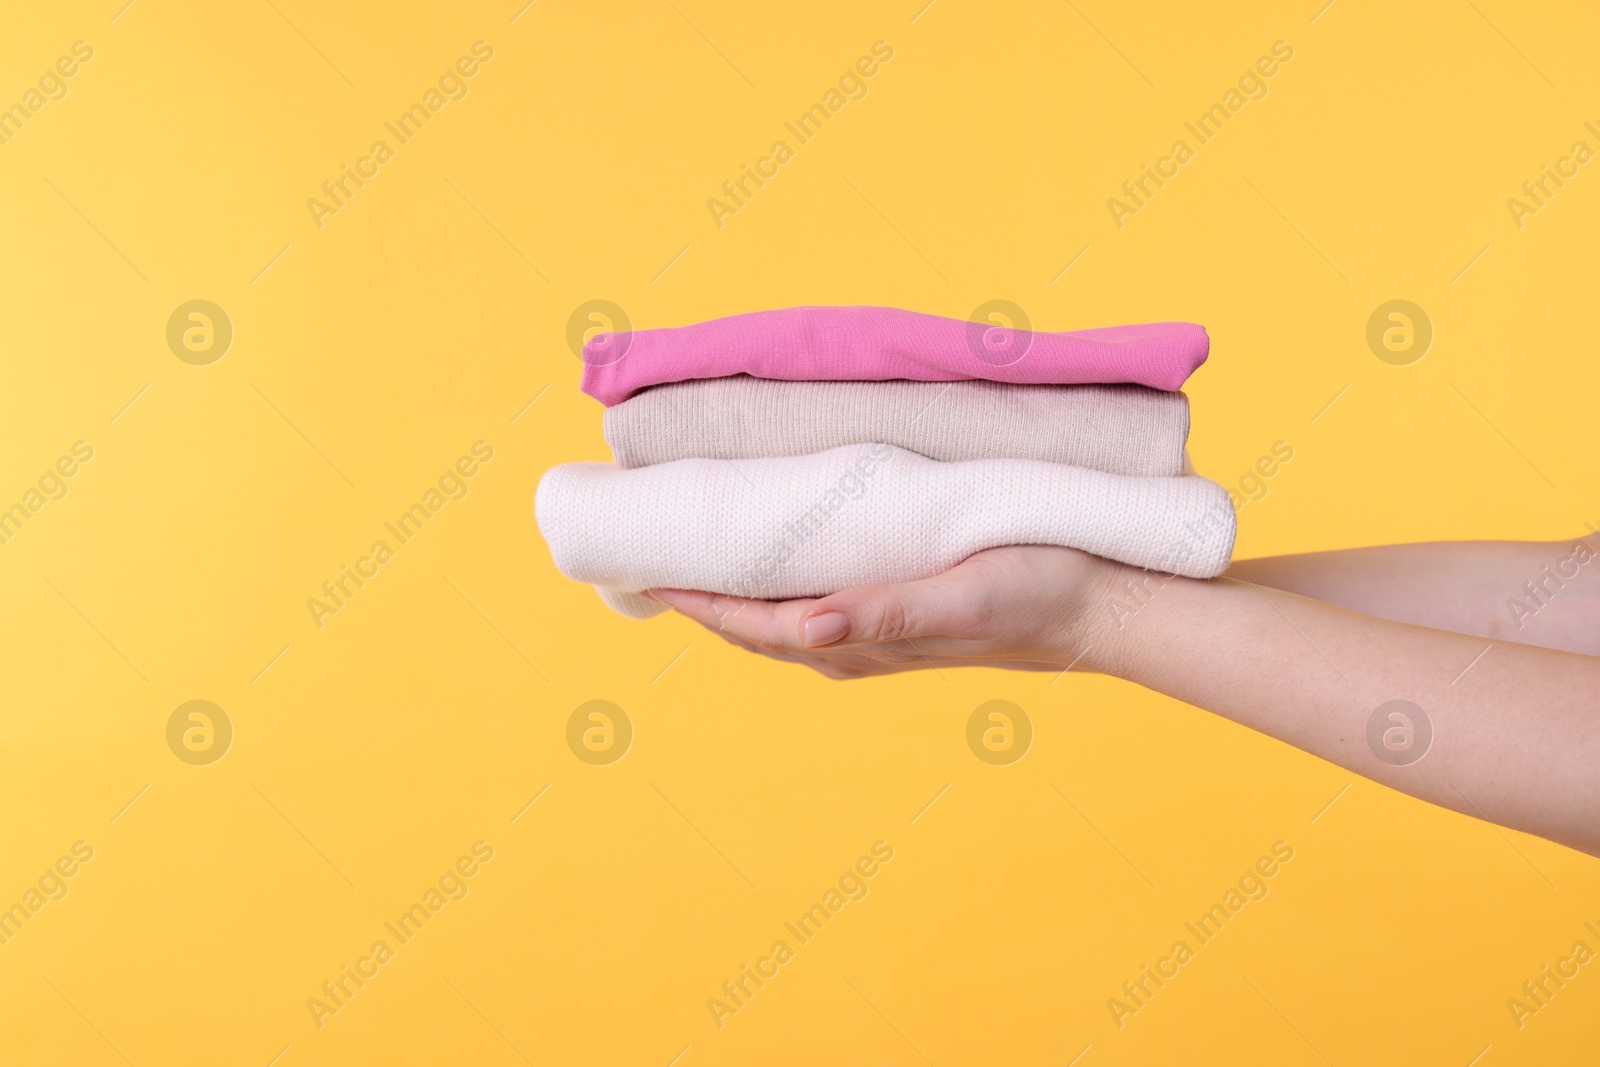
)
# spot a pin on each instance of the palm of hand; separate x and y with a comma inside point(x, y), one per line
point(1023, 607)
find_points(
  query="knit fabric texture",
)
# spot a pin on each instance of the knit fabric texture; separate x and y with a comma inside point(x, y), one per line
point(807, 526)
point(877, 344)
point(1121, 429)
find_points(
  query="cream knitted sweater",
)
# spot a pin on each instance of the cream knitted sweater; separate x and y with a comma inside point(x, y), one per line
point(1123, 429)
point(807, 526)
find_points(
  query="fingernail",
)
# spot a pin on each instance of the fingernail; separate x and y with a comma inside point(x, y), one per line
point(825, 629)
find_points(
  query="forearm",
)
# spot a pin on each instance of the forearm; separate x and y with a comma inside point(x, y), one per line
point(1516, 731)
point(1529, 592)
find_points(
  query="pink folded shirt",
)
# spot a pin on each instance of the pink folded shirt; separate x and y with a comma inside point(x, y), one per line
point(878, 344)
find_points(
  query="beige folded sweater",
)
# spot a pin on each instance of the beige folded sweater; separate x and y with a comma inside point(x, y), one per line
point(1119, 429)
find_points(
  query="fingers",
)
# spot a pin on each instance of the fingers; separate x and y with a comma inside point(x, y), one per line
point(770, 624)
point(730, 617)
point(795, 625)
point(690, 602)
point(877, 614)
point(864, 615)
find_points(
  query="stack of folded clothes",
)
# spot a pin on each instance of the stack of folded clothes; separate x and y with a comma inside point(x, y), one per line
point(796, 453)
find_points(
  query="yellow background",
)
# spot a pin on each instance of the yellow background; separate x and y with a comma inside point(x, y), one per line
point(426, 315)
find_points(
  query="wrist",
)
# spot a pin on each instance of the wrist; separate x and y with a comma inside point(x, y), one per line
point(1095, 627)
point(1122, 614)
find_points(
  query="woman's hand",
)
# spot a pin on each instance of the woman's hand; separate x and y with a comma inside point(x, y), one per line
point(1505, 732)
point(1025, 607)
